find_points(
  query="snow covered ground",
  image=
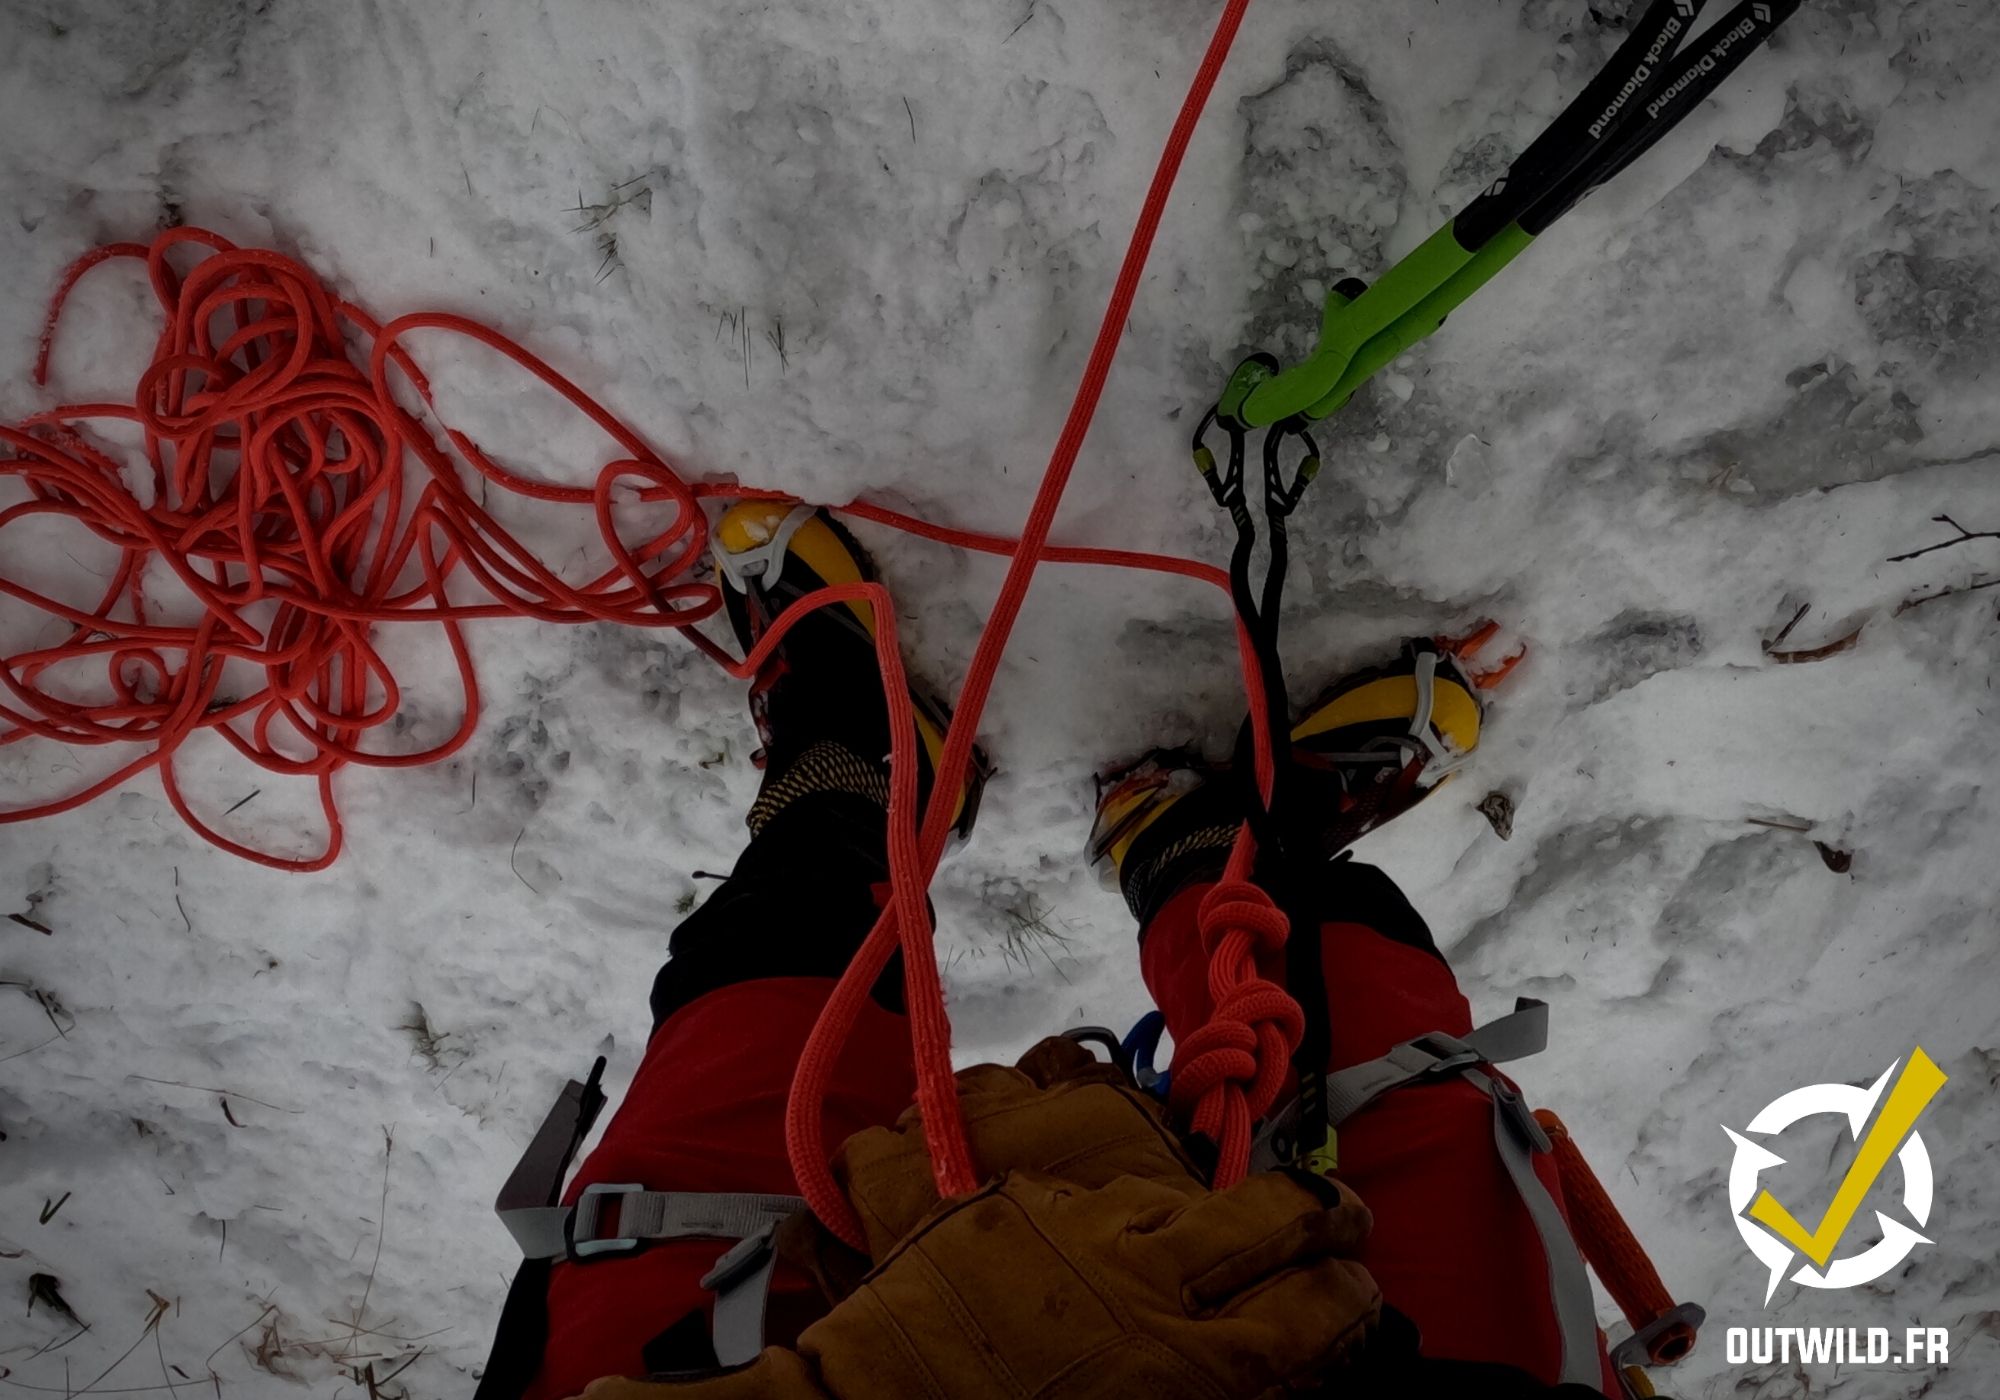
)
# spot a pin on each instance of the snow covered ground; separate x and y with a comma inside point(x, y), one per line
point(860, 249)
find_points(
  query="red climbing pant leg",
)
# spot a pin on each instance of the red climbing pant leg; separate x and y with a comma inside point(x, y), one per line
point(747, 976)
point(706, 1113)
point(1453, 1247)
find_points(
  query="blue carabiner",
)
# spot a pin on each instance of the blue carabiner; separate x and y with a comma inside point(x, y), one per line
point(1139, 1046)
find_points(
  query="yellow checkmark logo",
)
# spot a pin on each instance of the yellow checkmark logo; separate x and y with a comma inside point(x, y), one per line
point(1905, 1102)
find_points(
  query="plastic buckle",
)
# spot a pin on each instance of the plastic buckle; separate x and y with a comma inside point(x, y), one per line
point(740, 1260)
point(1519, 1117)
point(1324, 1160)
point(582, 1220)
point(1450, 1052)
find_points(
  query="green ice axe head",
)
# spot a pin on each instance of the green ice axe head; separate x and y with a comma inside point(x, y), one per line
point(1365, 327)
point(1242, 383)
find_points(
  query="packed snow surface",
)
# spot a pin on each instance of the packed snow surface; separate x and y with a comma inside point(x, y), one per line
point(859, 249)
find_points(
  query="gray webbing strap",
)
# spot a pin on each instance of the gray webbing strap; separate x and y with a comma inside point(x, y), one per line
point(740, 1279)
point(536, 1181)
point(741, 1282)
point(1516, 1135)
point(1516, 1036)
point(552, 1232)
point(1519, 1138)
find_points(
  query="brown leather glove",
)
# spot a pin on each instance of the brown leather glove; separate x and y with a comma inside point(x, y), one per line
point(1060, 1111)
point(1036, 1287)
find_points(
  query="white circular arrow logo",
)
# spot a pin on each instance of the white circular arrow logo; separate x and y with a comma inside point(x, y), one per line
point(1778, 1239)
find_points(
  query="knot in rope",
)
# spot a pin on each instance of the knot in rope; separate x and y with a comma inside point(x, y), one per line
point(1238, 907)
point(1228, 1073)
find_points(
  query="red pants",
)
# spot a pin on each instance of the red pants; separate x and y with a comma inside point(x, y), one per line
point(1452, 1247)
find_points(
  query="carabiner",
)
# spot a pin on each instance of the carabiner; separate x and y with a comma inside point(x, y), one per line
point(1280, 498)
point(1225, 485)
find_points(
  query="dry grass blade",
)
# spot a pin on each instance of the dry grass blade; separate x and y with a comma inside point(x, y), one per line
point(212, 1089)
point(1028, 931)
point(381, 1228)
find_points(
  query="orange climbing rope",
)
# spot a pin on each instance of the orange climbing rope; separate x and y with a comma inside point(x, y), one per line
point(287, 490)
point(913, 855)
point(268, 531)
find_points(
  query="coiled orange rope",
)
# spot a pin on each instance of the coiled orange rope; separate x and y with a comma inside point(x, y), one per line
point(271, 514)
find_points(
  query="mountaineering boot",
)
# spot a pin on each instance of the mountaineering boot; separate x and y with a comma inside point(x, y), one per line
point(1377, 743)
point(1369, 749)
point(817, 701)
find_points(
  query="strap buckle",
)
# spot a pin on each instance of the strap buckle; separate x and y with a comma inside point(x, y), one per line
point(740, 1260)
point(1520, 1118)
point(582, 1220)
point(1448, 1054)
point(741, 1282)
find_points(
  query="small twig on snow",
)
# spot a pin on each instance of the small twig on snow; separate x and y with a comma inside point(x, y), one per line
point(512, 854)
point(177, 901)
point(1964, 536)
point(1917, 602)
point(1777, 825)
point(1797, 618)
